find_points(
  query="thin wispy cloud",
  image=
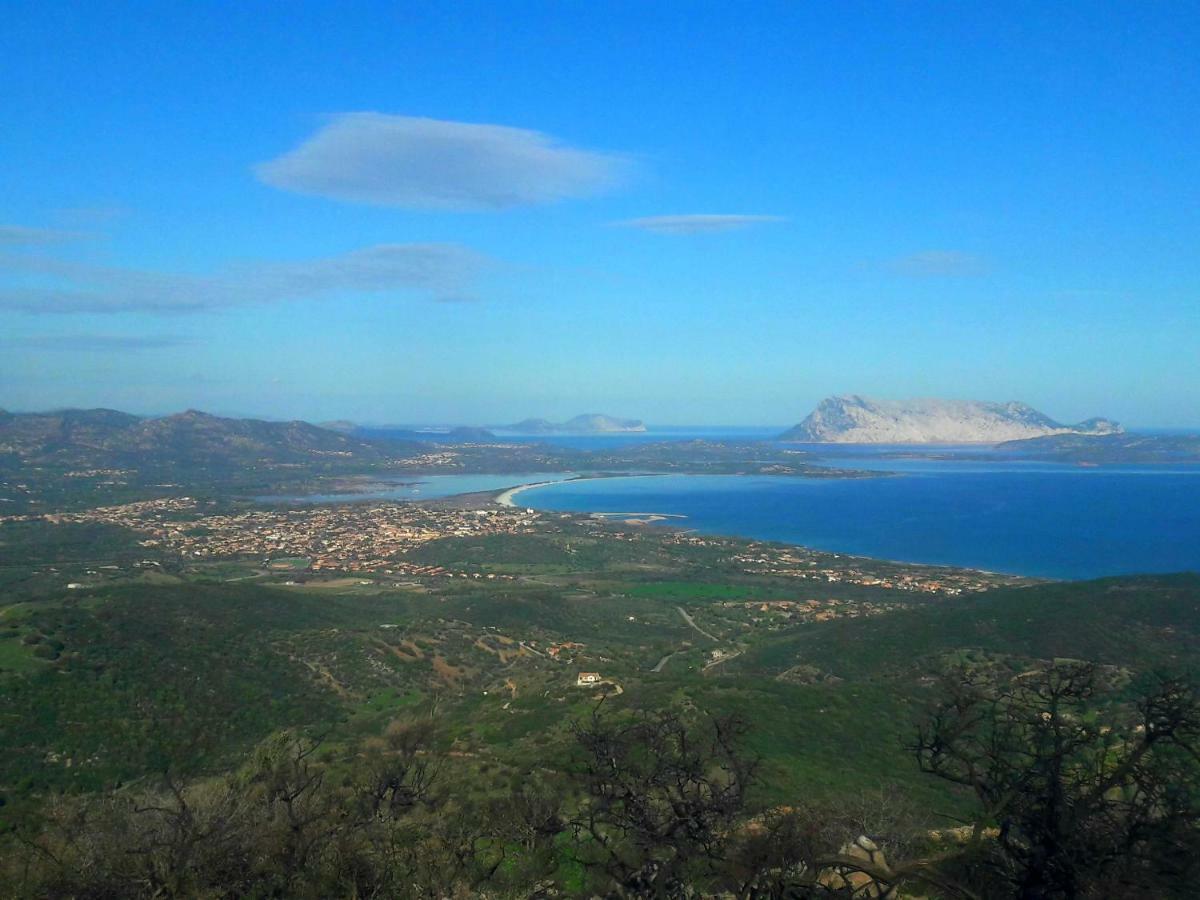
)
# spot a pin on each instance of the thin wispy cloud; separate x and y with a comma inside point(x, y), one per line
point(697, 223)
point(938, 264)
point(102, 343)
point(386, 160)
point(436, 271)
point(22, 234)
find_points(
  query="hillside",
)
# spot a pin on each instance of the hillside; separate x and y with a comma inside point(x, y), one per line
point(22, 432)
point(101, 437)
point(853, 419)
point(117, 658)
point(1140, 623)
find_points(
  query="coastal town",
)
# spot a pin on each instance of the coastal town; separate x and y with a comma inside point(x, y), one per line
point(785, 561)
point(376, 537)
point(346, 537)
point(761, 559)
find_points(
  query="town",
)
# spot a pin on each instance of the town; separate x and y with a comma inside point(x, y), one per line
point(347, 537)
point(375, 537)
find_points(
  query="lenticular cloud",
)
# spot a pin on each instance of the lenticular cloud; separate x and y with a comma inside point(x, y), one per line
point(433, 164)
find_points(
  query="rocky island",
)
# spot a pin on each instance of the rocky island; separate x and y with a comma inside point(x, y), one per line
point(589, 423)
point(852, 419)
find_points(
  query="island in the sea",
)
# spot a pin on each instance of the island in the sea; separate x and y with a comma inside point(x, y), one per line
point(852, 419)
point(588, 423)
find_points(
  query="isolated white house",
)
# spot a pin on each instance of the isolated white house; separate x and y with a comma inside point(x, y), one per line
point(587, 679)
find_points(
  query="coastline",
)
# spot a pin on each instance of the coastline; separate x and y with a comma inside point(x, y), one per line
point(664, 520)
point(887, 521)
point(505, 497)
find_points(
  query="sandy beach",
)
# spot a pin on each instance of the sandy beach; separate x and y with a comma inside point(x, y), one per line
point(506, 497)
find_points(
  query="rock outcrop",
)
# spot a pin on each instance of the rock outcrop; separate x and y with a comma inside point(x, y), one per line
point(852, 419)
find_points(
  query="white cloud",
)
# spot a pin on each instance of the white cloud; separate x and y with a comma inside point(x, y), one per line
point(21, 234)
point(368, 157)
point(696, 224)
point(439, 271)
point(938, 264)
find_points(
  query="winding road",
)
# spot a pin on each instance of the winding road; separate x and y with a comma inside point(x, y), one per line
point(692, 622)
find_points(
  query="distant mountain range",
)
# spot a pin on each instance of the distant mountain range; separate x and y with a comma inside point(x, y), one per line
point(590, 423)
point(852, 419)
point(108, 437)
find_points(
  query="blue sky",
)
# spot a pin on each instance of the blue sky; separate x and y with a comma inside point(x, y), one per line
point(690, 213)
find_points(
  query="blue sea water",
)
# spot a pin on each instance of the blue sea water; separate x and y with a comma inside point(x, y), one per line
point(1038, 519)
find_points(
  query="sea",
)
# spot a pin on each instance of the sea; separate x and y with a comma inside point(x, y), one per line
point(960, 509)
point(1044, 521)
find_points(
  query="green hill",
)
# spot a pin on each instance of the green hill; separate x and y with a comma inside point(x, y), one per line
point(102, 437)
point(1142, 622)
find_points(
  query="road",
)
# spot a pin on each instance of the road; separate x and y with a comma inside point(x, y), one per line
point(723, 659)
point(692, 622)
point(662, 662)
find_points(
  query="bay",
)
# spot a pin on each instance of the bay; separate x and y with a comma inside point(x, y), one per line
point(1037, 519)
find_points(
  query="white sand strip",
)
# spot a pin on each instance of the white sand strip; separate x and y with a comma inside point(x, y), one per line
point(506, 498)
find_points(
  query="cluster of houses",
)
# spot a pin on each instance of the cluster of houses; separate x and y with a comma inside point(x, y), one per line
point(345, 537)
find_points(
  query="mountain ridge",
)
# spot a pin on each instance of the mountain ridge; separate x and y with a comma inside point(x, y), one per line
point(104, 436)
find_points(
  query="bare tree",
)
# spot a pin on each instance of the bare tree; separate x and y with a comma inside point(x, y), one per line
point(397, 769)
point(659, 799)
point(1084, 796)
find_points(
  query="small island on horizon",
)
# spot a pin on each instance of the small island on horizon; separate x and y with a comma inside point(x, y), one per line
point(588, 423)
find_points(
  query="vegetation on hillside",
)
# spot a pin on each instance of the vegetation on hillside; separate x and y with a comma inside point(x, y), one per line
point(1070, 803)
point(232, 725)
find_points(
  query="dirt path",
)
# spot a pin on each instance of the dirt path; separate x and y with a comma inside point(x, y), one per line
point(662, 662)
point(692, 622)
point(723, 659)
